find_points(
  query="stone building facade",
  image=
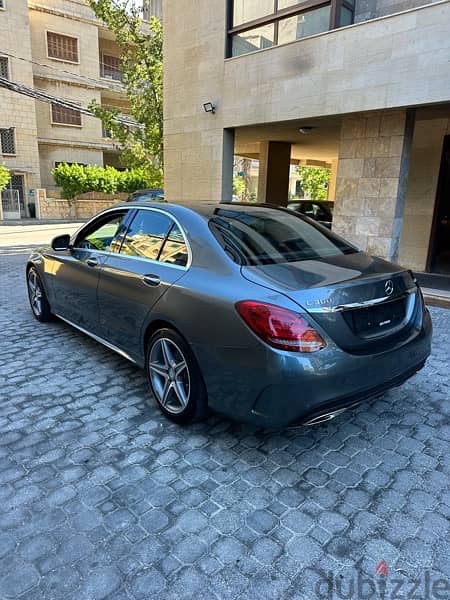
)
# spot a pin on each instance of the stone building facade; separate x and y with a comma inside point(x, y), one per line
point(56, 46)
point(18, 127)
point(363, 87)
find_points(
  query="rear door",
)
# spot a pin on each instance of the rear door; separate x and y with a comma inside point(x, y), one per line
point(153, 256)
point(75, 272)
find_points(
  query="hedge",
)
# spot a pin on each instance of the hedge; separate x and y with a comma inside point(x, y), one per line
point(78, 179)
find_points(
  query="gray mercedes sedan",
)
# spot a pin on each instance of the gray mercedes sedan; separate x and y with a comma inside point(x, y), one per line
point(251, 310)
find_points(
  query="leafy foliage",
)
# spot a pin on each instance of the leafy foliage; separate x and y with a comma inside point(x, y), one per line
point(79, 179)
point(141, 56)
point(239, 186)
point(314, 182)
point(4, 177)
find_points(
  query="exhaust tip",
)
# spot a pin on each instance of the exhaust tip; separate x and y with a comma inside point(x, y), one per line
point(324, 418)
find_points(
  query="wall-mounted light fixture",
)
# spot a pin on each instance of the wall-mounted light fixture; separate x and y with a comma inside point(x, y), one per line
point(306, 130)
point(209, 107)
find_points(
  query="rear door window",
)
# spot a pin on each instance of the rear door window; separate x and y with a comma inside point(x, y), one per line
point(146, 234)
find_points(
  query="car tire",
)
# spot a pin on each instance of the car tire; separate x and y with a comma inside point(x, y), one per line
point(38, 298)
point(174, 378)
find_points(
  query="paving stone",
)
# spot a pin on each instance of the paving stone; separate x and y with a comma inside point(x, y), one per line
point(154, 520)
point(261, 521)
point(190, 549)
point(229, 550)
point(19, 581)
point(35, 547)
point(266, 550)
point(304, 550)
point(192, 521)
point(7, 544)
point(101, 583)
point(146, 584)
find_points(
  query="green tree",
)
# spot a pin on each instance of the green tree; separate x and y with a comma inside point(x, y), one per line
point(4, 177)
point(314, 181)
point(141, 56)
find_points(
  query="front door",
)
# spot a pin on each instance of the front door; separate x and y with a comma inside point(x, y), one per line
point(76, 271)
point(439, 261)
point(152, 257)
point(17, 184)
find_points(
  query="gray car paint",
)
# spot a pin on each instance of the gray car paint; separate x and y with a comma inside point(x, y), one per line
point(245, 378)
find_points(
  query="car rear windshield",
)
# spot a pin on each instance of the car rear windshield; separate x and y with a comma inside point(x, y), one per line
point(259, 235)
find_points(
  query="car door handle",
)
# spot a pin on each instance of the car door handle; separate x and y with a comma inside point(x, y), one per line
point(152, 280)
point(92, 261)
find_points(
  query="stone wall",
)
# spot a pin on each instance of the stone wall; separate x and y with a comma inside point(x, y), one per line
point(84, 206)
point(368, 181)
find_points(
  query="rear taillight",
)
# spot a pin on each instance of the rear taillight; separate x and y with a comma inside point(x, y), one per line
point(280, 327)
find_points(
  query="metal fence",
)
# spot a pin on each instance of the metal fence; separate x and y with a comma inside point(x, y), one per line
point(10, 204)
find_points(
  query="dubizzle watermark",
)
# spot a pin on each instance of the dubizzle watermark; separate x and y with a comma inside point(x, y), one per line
point(382, 586)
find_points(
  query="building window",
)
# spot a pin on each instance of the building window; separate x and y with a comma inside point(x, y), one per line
point(4, 66)
point(258, 24)
point(2, 4)
point(62, 47)
point(65, 116)
point(106, 133)
point(8, 141)
point(111, 67)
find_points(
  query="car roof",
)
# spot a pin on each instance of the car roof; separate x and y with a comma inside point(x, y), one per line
point(206, 209)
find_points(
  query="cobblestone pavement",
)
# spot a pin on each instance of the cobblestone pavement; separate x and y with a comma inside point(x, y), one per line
point(101, 497)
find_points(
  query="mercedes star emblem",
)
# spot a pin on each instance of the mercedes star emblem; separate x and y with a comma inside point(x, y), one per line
point(389, 287)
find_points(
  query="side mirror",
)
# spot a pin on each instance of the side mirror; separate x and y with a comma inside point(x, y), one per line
point(61, 242)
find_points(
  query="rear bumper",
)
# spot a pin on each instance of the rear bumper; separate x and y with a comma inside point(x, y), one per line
point(276, 389)
point(331, 409)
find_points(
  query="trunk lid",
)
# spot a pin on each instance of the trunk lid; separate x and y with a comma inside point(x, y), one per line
point(365, 304)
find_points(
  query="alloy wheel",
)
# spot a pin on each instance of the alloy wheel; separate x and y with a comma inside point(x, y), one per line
point(35, 292)
point(169, 375)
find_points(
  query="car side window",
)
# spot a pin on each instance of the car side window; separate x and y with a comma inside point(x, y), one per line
point(174, 250)
point(104, 234)
point(146, 234)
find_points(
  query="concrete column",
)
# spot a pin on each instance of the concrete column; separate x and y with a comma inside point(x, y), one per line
point(373, 168)
point(274, 168)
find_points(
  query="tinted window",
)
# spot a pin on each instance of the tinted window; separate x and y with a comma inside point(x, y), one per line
point(248, 10)
point(103, 234)
point(260, 236)
point(146, 234)
point(174, 250)
point(253, 39)
point(307, 23)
